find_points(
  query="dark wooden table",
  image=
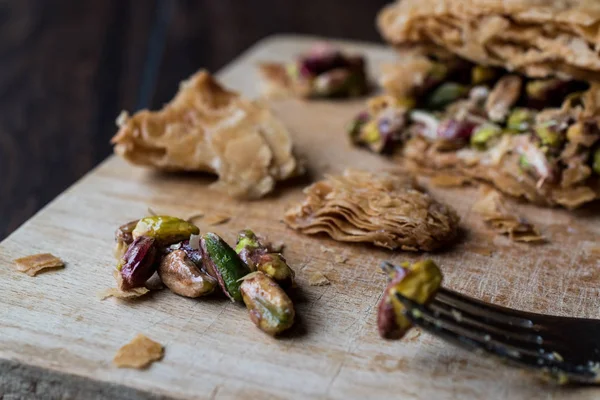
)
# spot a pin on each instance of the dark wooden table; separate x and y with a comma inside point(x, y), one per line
point(68, 67)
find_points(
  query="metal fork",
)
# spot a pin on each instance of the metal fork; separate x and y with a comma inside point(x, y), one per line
point(563, 349)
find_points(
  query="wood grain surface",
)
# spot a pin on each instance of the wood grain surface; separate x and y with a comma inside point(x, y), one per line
point(55, 323)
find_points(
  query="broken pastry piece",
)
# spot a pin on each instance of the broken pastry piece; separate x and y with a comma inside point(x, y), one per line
point(212, 129)
point(532, 135)
point(32, 265)
point(500, 218)
point(383, 209)
point(139, 353)
point(323, 71)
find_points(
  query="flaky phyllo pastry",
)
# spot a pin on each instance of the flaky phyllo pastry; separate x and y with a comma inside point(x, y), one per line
point(209, 128)
point(384, 209)
point(493, 90)
point(536, 37)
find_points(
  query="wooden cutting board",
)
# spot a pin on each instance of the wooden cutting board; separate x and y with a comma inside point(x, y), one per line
point(57, 339)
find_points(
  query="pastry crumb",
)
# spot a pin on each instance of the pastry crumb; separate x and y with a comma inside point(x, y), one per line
point(32, 265)
point(318, 279)
point(139, 353)
point(501, 219)
point(326, 250)
point(340, 259)
point(217, 219)
point(123, 294)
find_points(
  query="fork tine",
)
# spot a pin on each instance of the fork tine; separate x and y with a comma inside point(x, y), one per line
point(488, 312)
point(509, 335)
point(423, 317)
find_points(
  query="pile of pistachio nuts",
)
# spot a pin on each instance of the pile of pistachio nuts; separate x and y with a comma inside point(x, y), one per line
point(194, 265)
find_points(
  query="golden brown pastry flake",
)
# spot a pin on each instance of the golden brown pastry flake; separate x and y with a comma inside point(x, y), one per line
point(139, 353)
point(208, 128)
point(537, 37)
point(386, 210)
point(32, 265)
point(501, 219)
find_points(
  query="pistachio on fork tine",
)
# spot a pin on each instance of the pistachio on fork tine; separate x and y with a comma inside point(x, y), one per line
point(563, 349)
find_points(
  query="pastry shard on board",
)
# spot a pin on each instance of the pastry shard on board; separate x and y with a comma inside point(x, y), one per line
point(530, 129)
point(209, 128)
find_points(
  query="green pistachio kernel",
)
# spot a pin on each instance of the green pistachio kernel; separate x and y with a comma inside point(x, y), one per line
point(370, 133)
point(224, 264)
point(548, 134)
point(481, 74)
point(523, 163)
point(166, 230)
point(438, 71)
point(292, 70)
point(520, 119)
point(445, 94)
point(483, 134)
point(406, 102)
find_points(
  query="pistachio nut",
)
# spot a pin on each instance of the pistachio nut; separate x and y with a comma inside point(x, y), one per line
point(123, 238)
point(125, 232)
point(339, 82)
point(483, 134)
point(481, 74)
point(503, 97)
point(520, 119)
point(573, 100)
point(453, 129)
point(438, 72)
point(193, 253)
point(223, 263)
point(548, 134)
point(540, 89)
point(389, 326)
point(406, 102)
point(445, 94)
point(183, 277)
point(247, 245)
point(356, 125)
point(257, 256)
point(418, 282)
point(138, 263)
point(523, 163)
point(166, 230)
point(269, 306)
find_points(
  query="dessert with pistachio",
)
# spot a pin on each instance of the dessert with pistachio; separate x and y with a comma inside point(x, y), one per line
point(530, 128)
point(322, 72)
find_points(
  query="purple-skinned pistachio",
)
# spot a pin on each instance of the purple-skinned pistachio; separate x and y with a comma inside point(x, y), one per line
point(452, 129)
point(138, 263)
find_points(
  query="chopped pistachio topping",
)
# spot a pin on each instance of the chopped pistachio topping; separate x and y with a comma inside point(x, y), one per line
point(445, 94)
point(520, 119)
point(484, 134)
point(548, 134)
point(481, 74)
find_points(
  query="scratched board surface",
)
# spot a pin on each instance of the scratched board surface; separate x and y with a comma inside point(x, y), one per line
point(55, 332)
